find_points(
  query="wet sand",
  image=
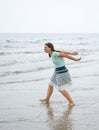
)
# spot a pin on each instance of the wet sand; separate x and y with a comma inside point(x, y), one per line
point(20, 108)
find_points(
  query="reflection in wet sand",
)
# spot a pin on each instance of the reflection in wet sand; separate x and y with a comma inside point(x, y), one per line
point(56, 122)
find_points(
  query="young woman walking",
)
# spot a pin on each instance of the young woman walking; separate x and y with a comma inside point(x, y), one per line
point(60, 78)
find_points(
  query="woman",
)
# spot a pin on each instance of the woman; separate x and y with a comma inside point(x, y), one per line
point(60, 78)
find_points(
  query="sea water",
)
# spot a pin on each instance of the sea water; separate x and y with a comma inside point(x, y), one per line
point(22, 58)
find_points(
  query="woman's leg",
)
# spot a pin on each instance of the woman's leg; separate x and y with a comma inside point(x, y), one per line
point(49, 93)
point(68, 97)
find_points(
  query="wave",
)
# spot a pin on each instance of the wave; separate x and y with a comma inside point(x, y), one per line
point(19, 52)
point(25, 41)
point(23, 81)
point(36, 69)
point(84, 51)
point(19, 41)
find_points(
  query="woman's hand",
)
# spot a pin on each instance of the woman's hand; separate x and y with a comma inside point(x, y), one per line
point(77, 59)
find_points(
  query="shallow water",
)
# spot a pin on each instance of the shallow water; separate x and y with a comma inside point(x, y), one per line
point(24, 74)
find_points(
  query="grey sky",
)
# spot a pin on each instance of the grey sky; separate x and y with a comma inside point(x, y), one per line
point(49, 16)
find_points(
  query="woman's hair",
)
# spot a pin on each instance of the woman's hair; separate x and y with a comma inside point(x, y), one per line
point(50, 45)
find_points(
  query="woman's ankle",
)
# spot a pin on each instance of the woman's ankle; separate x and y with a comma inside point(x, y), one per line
point(71, 104)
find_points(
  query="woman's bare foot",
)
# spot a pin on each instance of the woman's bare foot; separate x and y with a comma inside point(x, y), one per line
point(44, 100)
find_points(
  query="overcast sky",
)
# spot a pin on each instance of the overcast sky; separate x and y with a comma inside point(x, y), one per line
point(49, 16)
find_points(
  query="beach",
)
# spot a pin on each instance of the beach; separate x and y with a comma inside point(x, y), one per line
point(25, 71)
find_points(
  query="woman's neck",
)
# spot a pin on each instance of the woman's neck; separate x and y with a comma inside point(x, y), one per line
point(50, 52)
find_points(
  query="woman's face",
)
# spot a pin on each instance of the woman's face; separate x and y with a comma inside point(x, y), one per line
point(47, 49)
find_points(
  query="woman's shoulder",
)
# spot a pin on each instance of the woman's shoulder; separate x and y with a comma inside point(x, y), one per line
point(55, 53)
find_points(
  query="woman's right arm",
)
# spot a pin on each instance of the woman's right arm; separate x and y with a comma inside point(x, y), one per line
point(62, 54)
point(70, 53)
